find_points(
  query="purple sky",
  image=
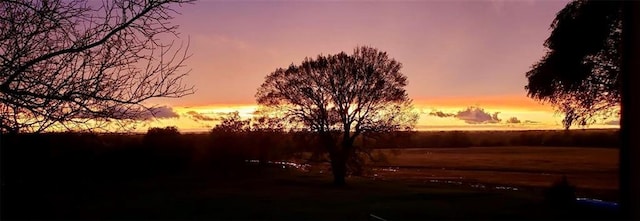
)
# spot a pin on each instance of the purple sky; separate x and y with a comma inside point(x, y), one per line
point(448, 48)
point(456, 54)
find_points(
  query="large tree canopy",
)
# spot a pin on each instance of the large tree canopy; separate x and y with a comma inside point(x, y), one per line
point(340, 97)
point(579, 75)
point(79, 64)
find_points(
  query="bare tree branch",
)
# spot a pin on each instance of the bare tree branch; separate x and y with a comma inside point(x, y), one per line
point(341, 96)
point(77, 65)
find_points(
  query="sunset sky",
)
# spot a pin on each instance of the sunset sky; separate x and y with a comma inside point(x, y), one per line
point(456, 54)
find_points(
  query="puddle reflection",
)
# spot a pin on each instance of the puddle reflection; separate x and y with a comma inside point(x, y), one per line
point(283, 164)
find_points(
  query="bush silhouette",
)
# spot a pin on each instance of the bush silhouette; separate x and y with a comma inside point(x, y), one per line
point(561, 194)
point(166, 148)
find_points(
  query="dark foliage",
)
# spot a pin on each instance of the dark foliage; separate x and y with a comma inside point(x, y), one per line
point(167, 148)
point(561, 194)
point(580, 74)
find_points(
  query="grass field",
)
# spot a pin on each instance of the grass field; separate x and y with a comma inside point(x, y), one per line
point(594, 171)
point(283, 194)
point(142, 181)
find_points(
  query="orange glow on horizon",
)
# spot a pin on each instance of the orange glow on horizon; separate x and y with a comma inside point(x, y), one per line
point(512, 102)
point(532, 114)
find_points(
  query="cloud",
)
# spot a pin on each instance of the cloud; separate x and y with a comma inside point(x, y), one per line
point(513, 120)
point(132, 113)
point(199, 117)
point(471, 115)
point(476, 115)
point(160, 112)
point(441, 114)
point(613, 122)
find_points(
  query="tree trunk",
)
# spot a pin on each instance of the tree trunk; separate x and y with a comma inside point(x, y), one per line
point(339, 168)
point(339, 158)
point(339, 155)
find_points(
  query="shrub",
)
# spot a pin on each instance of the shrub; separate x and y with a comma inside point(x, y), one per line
point(165, 149)
point(561, 194)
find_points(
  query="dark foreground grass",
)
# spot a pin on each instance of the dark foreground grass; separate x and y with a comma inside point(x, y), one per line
point(269, 193)
point(175, 177)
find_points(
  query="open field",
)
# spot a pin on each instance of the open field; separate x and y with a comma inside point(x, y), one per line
point(279, 194)
point(191, 176)
point(591, 170)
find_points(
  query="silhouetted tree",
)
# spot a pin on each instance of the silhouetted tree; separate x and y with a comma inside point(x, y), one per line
point(78, 64)
point(580, 74)
point(229, 139)
point(268, 121)
point(166, 148)
point(232, 123)
point(157, 136)
point(341, 96)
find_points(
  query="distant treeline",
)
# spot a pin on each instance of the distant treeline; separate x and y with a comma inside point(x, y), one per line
point(556, 138)
point(167, 148)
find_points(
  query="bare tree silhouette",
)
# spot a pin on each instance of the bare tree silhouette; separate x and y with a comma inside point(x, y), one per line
point(232, 123)
point(341, 96)
point(77, 65)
